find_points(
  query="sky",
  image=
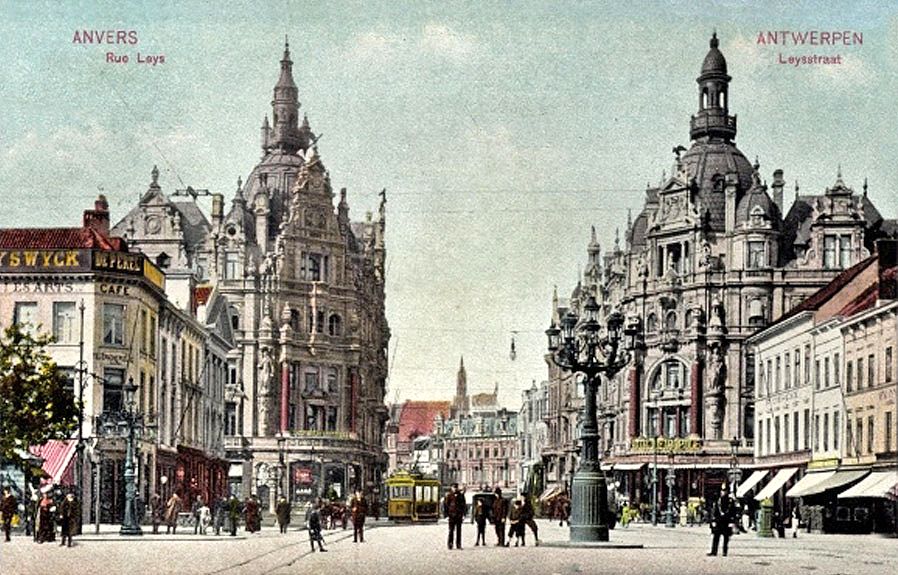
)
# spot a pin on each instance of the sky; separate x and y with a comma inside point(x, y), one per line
point(502, 131)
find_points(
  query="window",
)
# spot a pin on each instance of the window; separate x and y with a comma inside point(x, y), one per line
point(830, 248)
point(670, 423)
point(335, 325)
point(144, 331)
point(826, 371)
point(870, 426)
point(786, 432)
point(859, 438)
point(313, 417)
point(888, 365)
point(757, 257)
point(232, 266)
point(153, 331)
point(807, 428)
point(816, 432)
point(796, 367)
point(871, 370)
point(673, 370)
point(795, 445)
point(788, 373)
point(778, 371)
point(670, 321)
point(837, 363)
point(816, 374)
point(756, 315)
point(331, 418)
point(850, 446)
point(332, 380)
point(845, 252)
point(113, 380)
point(776, 431)
point(113, 324)
point(64, 321)
point(767, 433)
point(825, 432)
point(836, 430)
point(860, 373)
point(314, 267)
point(849, 376)
point(761, 439)
point(836, 251)
point(25, 314)
point(888, 432)
point(807, 364)
point(651, 323)
point(310, 383)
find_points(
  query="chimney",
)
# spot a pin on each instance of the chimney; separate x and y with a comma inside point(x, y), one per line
point(97, 219)
point(887, 253)
point(217, 210)
point(778, 184)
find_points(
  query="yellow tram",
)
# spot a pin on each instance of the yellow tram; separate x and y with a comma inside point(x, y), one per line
point(413, 497)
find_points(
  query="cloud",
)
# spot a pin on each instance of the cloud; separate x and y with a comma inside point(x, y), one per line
point(433, 39)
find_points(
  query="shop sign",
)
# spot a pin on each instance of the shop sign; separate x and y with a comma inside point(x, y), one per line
point(44, 260)
point(302, 475)
point(665, 445)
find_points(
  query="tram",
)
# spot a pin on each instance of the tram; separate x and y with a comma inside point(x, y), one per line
point(413, 496)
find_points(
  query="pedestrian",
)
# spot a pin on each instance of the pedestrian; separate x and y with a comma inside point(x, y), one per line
point(196, 513)
point(172, 508)
point(527, 518)
point(251, 514)
point(516, 525)
point(480, 520)
point(721, 517)
point(778, 523)
point(359, 509)
point(796, 521)
point(233, 515)
point(8, 508)
point(282, 510)
point(156, 511)
point(219, 514)
point(68, 519)
point(314, 527)
point(454, 509)
point(564, 509)
point(45, 526)
point(500, 513)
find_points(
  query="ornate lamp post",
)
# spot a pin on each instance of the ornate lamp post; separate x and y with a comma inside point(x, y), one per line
point(580, 345)
point(133, 420)
point(282, 471)
point(671, 483)
point(735, 473)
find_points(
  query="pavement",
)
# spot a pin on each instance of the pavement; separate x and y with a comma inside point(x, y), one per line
point(399, 549)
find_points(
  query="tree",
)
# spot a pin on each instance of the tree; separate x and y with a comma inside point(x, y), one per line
point(35, 403)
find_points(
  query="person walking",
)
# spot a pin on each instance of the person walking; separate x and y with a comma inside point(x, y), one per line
point(282, 510)
point(500, 513)
point(172, 508)
point(480, 520)
point(564, 509)
point(721, 517)
point(527, 518)
point(796, 521)
point(196, 512)
point(516, 526)
point(8, 508)
point(358, 506)
point(219, 514)
point(233, 515)
point(314, 527)
point(454, 509)
point(156, 510)
point(68, 519)
point(251, 514)
point(46, 525)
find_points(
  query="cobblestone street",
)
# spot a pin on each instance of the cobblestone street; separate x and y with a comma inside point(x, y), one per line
point(394, 550)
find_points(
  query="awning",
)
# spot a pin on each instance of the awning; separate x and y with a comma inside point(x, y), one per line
point(628, 466)
point(235, 470)
point(551, 492)
point(808, 482)
point(749, 483)
point(57, 455)
point(838, 479)
point(877, 484)
point(780, 479)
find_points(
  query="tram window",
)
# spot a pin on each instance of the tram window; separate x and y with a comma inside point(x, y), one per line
point(419, 493)
point(401, 492)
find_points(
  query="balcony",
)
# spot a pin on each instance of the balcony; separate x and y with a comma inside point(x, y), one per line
point(712, 123)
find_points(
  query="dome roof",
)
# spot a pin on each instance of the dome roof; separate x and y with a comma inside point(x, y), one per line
point(757, 197)
point(710, 161)
point(714, 62)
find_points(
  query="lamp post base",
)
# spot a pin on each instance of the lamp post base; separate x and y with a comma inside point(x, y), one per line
point(589, 507)
point(130, 530)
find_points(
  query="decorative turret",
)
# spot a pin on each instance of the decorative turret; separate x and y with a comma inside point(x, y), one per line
point(266, 135)
point(285, 109)
point(713, 120)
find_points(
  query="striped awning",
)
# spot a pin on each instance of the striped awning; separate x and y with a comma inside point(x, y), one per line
point(808, 482)
point(875, 485)
point(551, 492)
point(780, 479)
point(838, 480)
point(58, 456)
point(750, 483)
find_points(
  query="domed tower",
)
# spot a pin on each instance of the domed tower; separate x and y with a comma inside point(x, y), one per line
point(713, 119)
point(285, 134)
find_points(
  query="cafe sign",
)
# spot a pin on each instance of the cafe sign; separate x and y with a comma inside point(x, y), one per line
point(666, 445)
point(68, 261)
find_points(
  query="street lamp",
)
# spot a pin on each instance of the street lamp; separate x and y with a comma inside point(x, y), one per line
point(735, 473)
point(282, 472)
point(592, 351)
point(133, 420)
point(671, 482)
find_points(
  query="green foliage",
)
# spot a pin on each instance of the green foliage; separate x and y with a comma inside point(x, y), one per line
point(35, 405)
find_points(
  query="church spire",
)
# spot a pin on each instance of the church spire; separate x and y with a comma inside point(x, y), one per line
point(285, 109)
point(713, 119)
point(461, 404)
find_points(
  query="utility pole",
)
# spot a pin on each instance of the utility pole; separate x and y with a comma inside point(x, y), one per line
point(79, 448)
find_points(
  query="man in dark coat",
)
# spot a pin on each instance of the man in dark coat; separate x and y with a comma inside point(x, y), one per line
point(195, 511)
point(527, 518)
point(233, 515)
point(455, 509)
point(8, 507)
point(156, 510)
point(315, 527)
point(500, 513)
point(721, 517)
point(282, 510)
point(68, 519)
point(359, 508)
point(251, 514)
point(45, 526)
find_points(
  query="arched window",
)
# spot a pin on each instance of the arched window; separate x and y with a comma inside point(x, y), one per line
point(235, 318)
point(704, 102)
point(335, 325)
point(651, 323)
point(670, 320)
point(689, 319)
point(756, 313)
point(671, 374)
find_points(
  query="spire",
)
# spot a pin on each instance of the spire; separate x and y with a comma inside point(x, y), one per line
point(865, 186)
point(284, 133)
point(238, 195)
point(713, 119)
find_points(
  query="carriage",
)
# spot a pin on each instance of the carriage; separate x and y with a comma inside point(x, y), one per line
point(413, 496)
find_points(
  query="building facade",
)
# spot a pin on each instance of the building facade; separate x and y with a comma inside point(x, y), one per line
point(533, 433)
point(304, 287)
point(713, 256)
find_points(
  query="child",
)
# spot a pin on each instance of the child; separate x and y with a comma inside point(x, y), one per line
point(315, 529)
point(516, 525)
point(480, 519)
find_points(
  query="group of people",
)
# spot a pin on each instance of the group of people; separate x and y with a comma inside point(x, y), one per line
point(50, 509)
point(357, 509)
point(518, 516)
point(226, 513)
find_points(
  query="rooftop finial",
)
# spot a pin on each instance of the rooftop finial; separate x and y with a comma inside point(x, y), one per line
point(865, 186)
point(714, 41)
point(154, 174)
point(286, 48)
